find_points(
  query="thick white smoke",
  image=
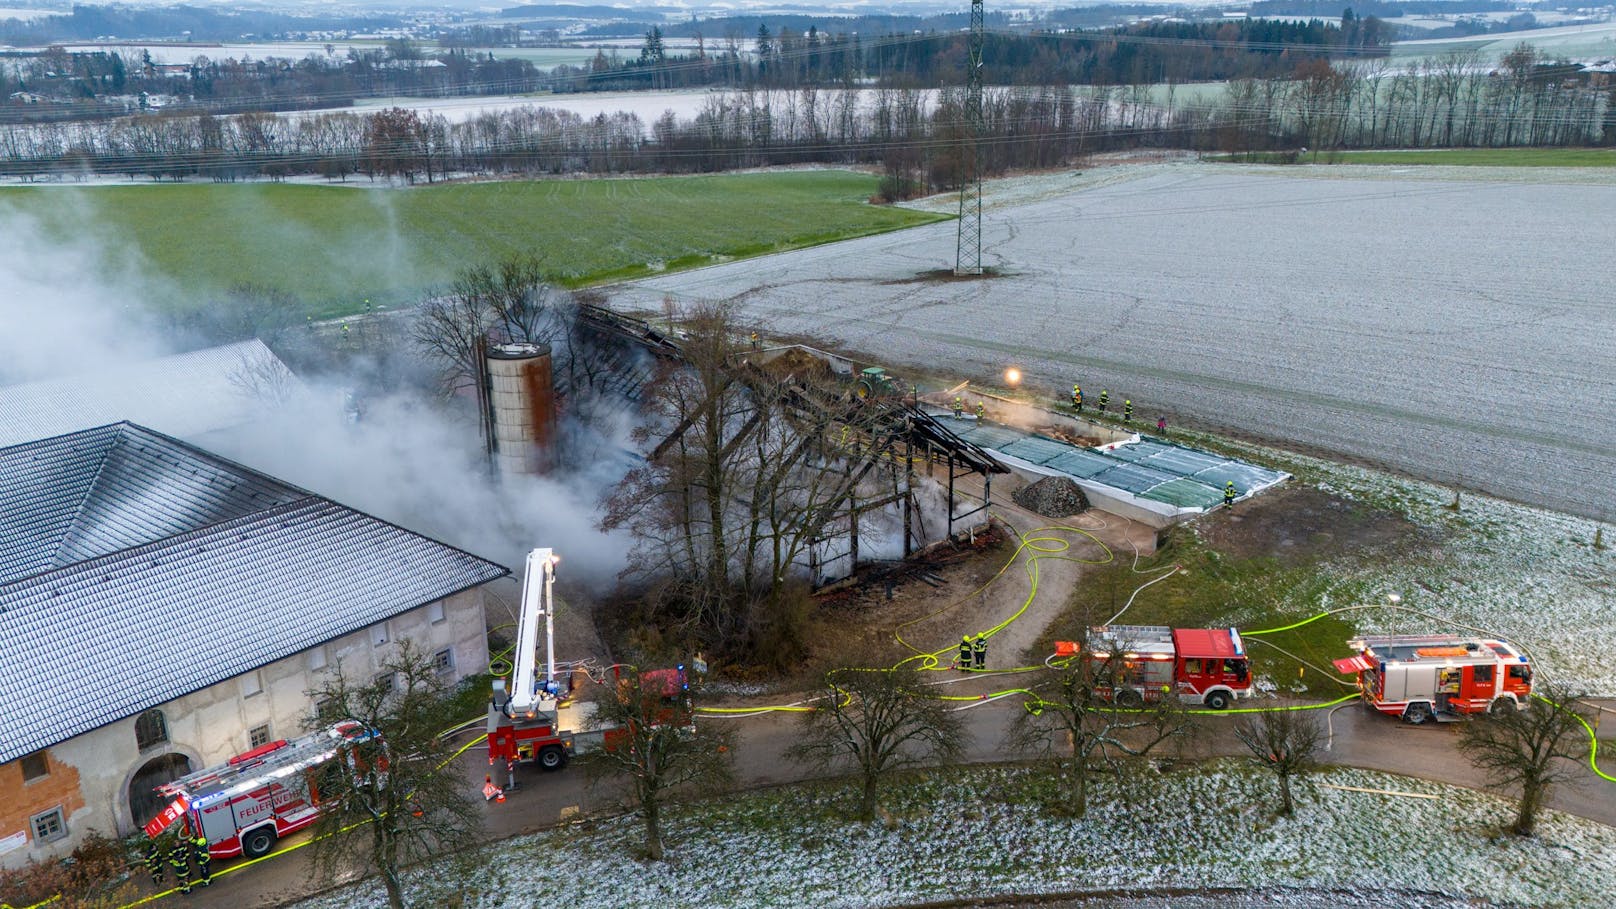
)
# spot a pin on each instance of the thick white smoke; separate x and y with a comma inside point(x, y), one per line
point(65, 308)
point(72, 308)
point(408, 461)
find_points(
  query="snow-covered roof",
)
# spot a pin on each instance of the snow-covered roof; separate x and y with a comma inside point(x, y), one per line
point(135, 569)
point(185, 394)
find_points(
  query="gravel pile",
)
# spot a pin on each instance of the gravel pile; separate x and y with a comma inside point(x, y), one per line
point(1052, 497)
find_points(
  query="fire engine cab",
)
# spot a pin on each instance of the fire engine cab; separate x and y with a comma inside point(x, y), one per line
point(1200, 665)
point(1441, 677)
point(247, 803)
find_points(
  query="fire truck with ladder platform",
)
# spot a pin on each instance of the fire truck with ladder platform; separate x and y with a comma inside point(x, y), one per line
point(1201, 665)
point(536, 720)
point(1437, 676)
point(246, 804)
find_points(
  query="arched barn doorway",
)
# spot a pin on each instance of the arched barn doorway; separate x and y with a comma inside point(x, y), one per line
point(143, 802)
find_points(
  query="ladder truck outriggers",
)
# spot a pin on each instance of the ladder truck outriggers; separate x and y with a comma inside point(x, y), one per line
point(536, 721)
point(246, 804)
point(1199, 665)
point(1439, 676)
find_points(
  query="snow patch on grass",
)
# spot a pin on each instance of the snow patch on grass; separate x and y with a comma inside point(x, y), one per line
point(1210, 826)
point(1526, 574)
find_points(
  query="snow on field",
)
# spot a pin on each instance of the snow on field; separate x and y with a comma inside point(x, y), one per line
point(1203, 827)
point(1454, 329)
point(1591, 42)
point(1526, 574)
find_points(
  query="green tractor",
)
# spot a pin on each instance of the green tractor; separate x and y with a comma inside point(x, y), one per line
point(876, 383)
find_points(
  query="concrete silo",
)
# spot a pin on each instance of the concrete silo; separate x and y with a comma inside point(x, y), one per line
point(522, 407)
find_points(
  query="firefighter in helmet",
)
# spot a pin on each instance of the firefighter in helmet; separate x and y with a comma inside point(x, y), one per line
point(179, 858)
point(200, 855)
point(1077, 398)
point(964, 662)
point(979, 652)
point(1105, 397)
point(1127, 411)
point(154, 861)
point(959, 407)
point(980, 411)
point(1228, 494)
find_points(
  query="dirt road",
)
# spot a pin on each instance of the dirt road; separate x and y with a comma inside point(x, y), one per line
point(1359, 737)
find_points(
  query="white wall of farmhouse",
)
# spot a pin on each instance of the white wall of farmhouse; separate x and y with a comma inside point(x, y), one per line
point(214, 724)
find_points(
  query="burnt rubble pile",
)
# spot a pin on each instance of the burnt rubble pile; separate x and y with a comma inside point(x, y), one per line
point(1052, 497)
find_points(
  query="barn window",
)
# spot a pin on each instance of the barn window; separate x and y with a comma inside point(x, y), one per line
point(258, 736)
point(34, 766)
point(151, 728)
point(48, 826)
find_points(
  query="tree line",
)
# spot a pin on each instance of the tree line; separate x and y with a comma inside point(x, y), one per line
point(57, 84)
point(916, 134)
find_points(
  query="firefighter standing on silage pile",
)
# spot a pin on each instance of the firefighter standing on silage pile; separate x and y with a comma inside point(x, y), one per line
point(1077, 398)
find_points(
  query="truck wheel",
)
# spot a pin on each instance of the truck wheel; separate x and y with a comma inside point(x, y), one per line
point(256, 843)
point(1502, 707)
point(552, 757)
point(1130, 699)
point(1218, 700)
point(1417, 713)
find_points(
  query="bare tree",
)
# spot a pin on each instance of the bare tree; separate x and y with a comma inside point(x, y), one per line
point(524, 302)
point(402, 797)
point(654, 745)
point(513, 301)
point(450, 329)
point(261, 376)
point(1284, 741)
point(744, 478)
point(246, 311)
point(879, 721)
point(1531, 748)
point(1077, 704)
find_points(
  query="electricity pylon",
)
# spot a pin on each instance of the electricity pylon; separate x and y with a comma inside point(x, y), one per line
point(968, 251)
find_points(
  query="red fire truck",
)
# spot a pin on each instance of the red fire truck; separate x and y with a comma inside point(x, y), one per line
point(1200, 665)
point(247, 803)
point(1437, 676)
point(537, 720)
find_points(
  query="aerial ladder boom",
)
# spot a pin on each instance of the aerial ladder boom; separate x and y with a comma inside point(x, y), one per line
point(529, 694)
point(531, 721)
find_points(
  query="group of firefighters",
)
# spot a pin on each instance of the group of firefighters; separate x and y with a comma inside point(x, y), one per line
point(973, 653)
point(1229, 492)
point(181, 850)
point(1105, 401)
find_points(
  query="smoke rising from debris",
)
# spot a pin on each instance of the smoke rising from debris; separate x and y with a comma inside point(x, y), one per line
point(410, 462)
point(410, 459)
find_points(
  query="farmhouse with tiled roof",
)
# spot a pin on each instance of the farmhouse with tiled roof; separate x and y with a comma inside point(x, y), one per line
point(162, 608)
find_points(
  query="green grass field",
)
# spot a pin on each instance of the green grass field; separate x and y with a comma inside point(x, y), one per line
point(1218, 590)
point(334, 246)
